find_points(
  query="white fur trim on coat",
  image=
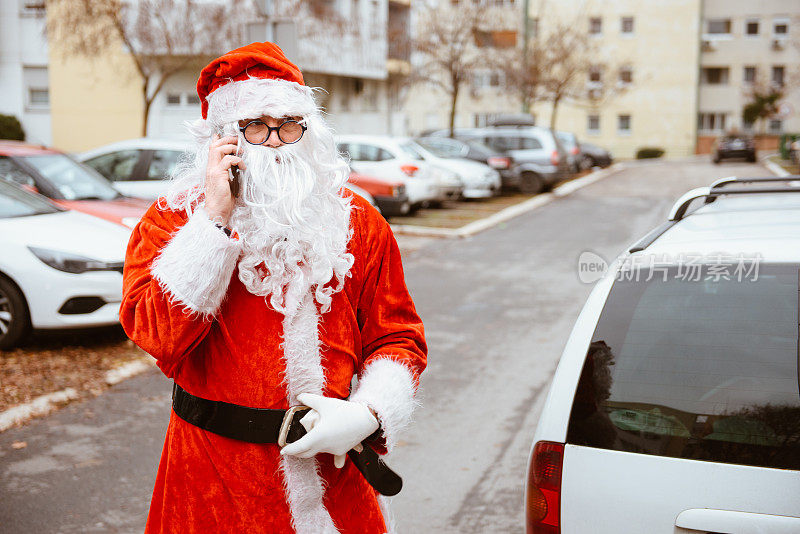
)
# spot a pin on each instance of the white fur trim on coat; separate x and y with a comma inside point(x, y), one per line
point(387, 386)
point(252, 98)
point(196, 266)
point(305, 488)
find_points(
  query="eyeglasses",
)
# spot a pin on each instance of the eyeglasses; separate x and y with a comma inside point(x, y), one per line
point(257, 132)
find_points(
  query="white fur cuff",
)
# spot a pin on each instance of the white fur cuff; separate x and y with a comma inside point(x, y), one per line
point(254, 97)
point(196, 266)
point(387, 386)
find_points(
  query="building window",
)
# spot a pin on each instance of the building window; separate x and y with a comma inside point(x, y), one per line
point(593, 124)
point(624, 124)
point(711, 122)
point(595, 25)
point(37, 85)
point(715, 75)
point(533, 27)
point(749, 75)
point(177, 100)
point(775, 125)
point(751, 27)
point(38, 98)
point(778, 73)
point(625, 75)
point(627, 25)
point(780, 27)
point(595, 76)
point(718, 27)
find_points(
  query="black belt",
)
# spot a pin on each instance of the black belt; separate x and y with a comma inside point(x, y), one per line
point(260, 425)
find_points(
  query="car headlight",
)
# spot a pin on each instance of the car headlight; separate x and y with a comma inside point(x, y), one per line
point(73, 263)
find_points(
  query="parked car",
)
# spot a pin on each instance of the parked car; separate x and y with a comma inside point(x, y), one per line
point(594, 156)
point(540, 157)
point(445, 147)
point(570, 143)
point(734, 146)
point(385, 158)
point(479, 180)
point(448, 182)
point(67, 182)
point(58, 268)
point(390, 197)
point(675, 404)
point(141, 168)
point(137, 167)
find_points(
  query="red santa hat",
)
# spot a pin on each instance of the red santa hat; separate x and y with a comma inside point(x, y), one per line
point(252, 81)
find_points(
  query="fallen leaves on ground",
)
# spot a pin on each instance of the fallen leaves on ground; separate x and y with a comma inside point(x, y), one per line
point(52, 361)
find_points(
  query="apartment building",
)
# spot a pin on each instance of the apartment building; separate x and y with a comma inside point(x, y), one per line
point(24, 73)
point(486, 93)
point(342, 46)
point(747, 45)
point(641, 85)
point(678, 74)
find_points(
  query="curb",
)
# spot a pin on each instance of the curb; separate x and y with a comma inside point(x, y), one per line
point(510, 212)
point(775, 169)
point(44, 404)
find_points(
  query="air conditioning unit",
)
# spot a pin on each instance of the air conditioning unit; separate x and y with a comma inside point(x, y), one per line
point(778, 44)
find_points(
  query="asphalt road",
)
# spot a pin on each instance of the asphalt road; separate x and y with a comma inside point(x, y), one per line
point(498, 308)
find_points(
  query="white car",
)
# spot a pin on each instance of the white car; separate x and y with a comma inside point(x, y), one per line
point(674, 408)
point(58, 269)
point(140, 167)
point(480, 180)
point(385, 158)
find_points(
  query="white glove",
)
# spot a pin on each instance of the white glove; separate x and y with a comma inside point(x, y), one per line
point(334, 426)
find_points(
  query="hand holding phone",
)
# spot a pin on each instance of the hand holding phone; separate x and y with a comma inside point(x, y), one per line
point(222, 177)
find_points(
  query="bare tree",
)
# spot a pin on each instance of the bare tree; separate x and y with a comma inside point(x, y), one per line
point(163, 37)
point(446, 39)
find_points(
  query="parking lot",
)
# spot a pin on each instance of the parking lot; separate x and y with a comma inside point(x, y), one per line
point(497, 307)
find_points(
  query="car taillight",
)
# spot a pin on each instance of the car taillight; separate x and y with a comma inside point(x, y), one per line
point(497, 162)
point(554, 157)
point(543, 506)
point(410, 170)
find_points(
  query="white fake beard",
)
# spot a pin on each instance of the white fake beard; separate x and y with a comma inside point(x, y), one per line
point(292, 218)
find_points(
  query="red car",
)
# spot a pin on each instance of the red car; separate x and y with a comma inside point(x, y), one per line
point(67, 183)
point(390, 196)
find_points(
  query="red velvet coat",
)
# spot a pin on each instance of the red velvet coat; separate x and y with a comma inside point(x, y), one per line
point(189, 310)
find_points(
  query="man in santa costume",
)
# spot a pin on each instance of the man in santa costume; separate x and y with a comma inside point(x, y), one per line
point(266, 296)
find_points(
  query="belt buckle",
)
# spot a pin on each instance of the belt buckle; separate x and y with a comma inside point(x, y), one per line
point(287, 423)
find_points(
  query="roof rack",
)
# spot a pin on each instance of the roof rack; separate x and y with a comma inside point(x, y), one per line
point(709, 194)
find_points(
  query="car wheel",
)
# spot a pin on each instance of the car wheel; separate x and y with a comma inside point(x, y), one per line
point(530, 182)
point(14, 317)
point(751, 158)
point(587, 162)
point(716, 160)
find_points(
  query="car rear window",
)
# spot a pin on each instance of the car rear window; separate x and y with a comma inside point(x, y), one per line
point(704, 369)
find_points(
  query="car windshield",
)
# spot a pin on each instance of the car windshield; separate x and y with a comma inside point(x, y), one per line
point(703, 368)
point(446, 149)
point(15, 202)
point(413, 150)
point(70, 179)
point(481, 149)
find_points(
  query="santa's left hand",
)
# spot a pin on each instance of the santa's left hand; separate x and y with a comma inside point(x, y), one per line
point(336, 426)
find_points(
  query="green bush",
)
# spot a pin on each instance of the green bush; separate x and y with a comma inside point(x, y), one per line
point(649, 152)
point(10, 128)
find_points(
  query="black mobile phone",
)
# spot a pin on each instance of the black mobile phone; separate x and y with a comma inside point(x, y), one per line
point(233, 177)
point(233, 170)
